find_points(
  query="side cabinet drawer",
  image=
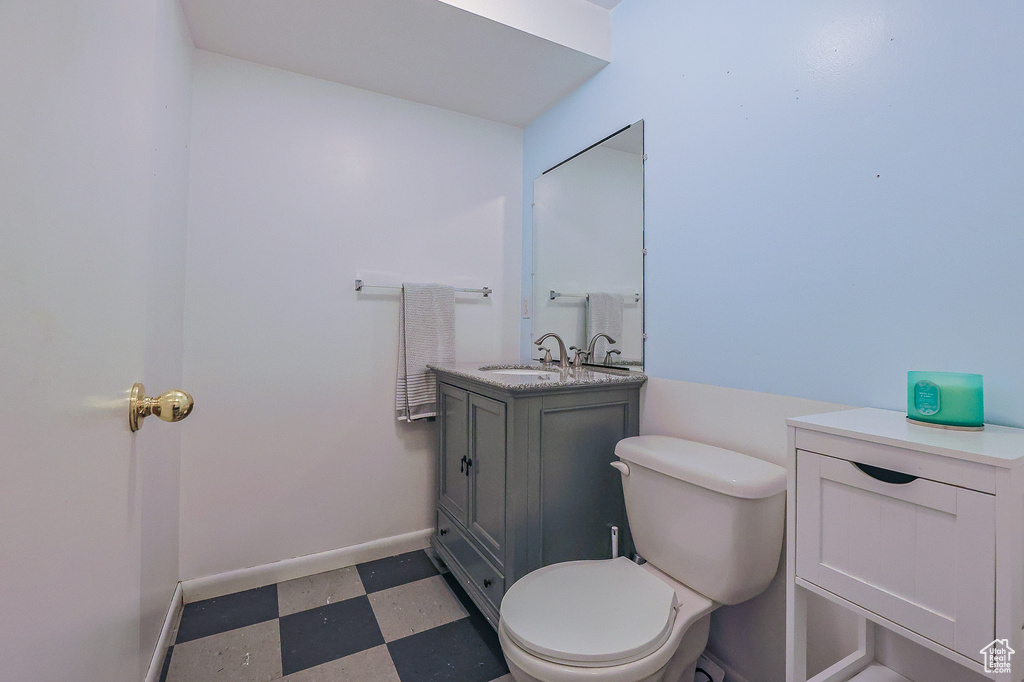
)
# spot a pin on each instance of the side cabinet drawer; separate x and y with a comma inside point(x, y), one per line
point(919, 553)
point(484, 576)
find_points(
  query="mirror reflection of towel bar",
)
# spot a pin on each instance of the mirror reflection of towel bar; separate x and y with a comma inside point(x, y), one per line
point(552, 295)
point(486, 291)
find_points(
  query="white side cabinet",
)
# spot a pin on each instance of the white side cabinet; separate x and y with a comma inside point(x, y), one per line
point(915, 529)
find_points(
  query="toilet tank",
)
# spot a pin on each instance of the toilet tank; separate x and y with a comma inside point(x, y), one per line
point(713, 519)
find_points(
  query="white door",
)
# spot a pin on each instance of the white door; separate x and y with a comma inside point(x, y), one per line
point(86, 550)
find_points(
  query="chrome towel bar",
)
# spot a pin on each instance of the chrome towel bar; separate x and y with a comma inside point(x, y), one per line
point(486, 291)
point(552, 295)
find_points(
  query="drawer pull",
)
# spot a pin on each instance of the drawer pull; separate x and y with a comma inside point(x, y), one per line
point(487, 582)
point(885, 475)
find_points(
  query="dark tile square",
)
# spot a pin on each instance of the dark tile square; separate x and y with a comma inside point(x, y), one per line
point(319, 635)
point(220, 614)
point(464, 651)
point(461, 595)
point(396, 570)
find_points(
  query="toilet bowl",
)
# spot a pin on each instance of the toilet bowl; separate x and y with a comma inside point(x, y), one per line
point(555, 627)
point(710, 522)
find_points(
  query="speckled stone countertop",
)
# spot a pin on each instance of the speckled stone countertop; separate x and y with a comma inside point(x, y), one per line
point(556, 379)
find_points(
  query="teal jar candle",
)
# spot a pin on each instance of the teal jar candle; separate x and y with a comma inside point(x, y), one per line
point(945, 398)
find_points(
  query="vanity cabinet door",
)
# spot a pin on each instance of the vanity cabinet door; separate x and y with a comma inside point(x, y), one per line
point(454, 452)
point(576, 496)
point(487, 475)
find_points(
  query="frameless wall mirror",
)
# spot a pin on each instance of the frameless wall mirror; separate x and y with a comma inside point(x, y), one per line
point(588, 249)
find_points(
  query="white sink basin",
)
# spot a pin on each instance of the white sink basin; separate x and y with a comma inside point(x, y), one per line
point(534, 373)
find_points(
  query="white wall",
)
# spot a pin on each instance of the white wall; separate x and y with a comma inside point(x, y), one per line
point(832, 190)
point(159, 445)
point(297, 187)
point(94, 124)
point(916, 663)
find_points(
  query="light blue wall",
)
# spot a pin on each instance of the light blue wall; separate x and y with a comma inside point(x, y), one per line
point(835, 191)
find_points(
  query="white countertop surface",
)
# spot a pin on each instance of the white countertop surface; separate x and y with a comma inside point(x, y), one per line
point(1001, 446)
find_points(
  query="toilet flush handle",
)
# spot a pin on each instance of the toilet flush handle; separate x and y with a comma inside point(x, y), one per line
point(622, 467)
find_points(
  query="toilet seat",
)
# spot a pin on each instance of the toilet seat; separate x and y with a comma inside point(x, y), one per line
point(590, 613)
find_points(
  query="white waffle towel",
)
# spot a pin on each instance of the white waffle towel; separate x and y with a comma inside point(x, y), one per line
point(426, 335)
point(604, 314)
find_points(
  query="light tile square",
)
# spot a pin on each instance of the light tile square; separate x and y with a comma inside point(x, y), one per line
point(415, 607)
point(247, 654)
point(319, 590)
point(372, 664)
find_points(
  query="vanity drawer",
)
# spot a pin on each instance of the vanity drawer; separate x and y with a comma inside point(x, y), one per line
point(482, 574)
point(917, 552)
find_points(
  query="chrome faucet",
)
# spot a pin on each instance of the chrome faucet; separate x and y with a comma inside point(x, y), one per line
point(563, 355)
point(593, 344)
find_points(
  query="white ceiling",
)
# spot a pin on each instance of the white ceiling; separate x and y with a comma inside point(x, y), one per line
point(427, 51)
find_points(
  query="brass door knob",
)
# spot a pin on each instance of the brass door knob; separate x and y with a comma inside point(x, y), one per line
point(171, 406)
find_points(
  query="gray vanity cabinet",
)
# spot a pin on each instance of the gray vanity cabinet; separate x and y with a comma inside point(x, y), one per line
point(472, 466)
point(524, 479)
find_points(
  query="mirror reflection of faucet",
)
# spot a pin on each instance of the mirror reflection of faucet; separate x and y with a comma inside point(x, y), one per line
point(609, 354)
point(593, 345)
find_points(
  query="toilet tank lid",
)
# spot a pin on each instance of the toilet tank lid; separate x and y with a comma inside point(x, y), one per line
point(723, 471)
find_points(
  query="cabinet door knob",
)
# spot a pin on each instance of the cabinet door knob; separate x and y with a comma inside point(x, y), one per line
point(469, 463)
point(487, 582)
point(462, 465)
point(443, 531)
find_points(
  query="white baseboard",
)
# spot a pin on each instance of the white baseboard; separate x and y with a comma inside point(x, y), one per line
point(156, 664)
point(220, 584)
point(730, 674)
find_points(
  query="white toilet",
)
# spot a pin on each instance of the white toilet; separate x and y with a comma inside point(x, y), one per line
point(710, 524)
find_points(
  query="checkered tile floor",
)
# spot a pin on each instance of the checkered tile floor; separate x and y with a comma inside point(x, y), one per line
point(392, 620)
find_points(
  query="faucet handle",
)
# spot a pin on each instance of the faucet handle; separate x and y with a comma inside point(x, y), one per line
point(547, 356)
point(580, 356)
point(609, 354)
